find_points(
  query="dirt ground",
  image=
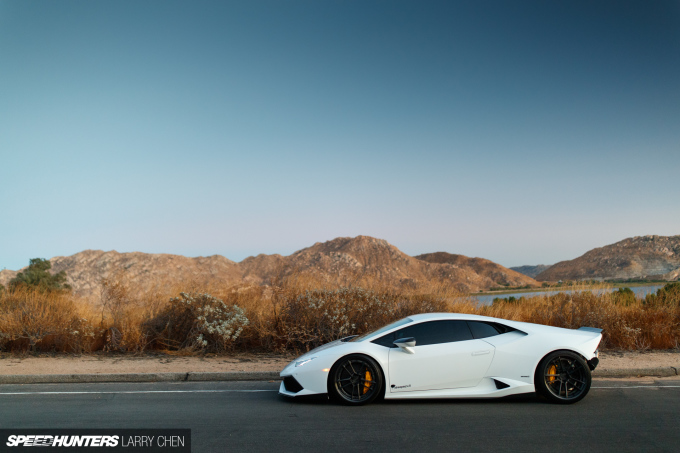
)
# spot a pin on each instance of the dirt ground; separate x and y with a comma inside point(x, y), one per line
point(96, 363)
point(620, 360)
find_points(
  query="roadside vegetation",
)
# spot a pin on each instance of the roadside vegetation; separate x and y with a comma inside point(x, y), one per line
point(295, 315)
point(37, 276)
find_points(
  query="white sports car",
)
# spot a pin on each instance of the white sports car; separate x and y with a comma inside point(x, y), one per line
point(449, 355)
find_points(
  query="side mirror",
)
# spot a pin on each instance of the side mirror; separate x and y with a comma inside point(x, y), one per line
point(406, 344)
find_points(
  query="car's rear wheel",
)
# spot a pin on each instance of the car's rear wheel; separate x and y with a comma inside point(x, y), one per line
point(563, 377)
point(355, 380)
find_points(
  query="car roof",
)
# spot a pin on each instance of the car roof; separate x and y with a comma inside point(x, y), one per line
point(442, 316)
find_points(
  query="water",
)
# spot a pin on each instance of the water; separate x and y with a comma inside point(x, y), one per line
point(640, 291)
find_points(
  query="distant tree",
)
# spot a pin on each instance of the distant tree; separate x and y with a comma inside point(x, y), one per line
point(37, 276)
point(624, 296)
point(669, 294)
point(508, 300)
point(669, 290)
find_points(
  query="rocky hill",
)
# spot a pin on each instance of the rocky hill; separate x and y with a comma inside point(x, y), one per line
point(531, 271)
point(7, 275)
point(339, 261)
point(651, 257)
point(492, 274)
point(363, 257)
point(85, 270)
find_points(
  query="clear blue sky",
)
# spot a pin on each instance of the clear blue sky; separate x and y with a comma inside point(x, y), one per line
point(521, 132)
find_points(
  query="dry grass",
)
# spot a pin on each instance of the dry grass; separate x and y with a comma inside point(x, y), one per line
point(636, 324)
point(33, 320)
point(298, 314)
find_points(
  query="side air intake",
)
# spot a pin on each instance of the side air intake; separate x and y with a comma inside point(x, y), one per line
point(500, 385)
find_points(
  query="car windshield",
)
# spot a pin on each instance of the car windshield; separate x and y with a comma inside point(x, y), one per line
point(383, 329)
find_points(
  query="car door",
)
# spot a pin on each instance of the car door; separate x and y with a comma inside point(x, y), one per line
point(445, 356)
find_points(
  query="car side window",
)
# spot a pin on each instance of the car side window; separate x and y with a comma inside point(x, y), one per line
point(428, 333)
point(487, 329)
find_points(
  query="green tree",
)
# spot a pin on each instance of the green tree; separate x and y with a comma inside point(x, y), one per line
point(669, 294)
point(37, 275)
point(624, 296)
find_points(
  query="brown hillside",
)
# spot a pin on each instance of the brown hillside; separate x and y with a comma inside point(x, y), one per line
point(494, 274)
point(346, 261)
point(363, 258)
point(262, 269)
point(529, 270)
point(7, 275)
point(341, 261)
point(637, 257)
point(85, 270)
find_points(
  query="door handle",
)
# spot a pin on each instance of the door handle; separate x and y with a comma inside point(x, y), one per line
point(481, 352)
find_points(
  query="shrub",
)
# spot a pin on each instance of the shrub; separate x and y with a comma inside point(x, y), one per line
point(32, 316)
point(634, 326)
point(508, 300)
point(301, 315)
point(122, 315)
point(314, 317)
point(669, 294)
point(624, 296)
point(198, 321)
point(37, 276)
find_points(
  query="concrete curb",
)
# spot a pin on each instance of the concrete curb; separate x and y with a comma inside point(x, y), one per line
point(636, 372)
point(139, 377)
point(249, 376)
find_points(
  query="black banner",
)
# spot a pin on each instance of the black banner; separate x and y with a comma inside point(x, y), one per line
point(102, 440)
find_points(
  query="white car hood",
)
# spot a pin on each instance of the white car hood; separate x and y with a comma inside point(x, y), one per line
point(323, 347)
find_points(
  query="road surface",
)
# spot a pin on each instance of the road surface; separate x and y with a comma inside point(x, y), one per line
point(617, 415)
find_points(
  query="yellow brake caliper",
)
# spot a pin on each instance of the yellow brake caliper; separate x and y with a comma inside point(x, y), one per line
point(552, 370)
point(367, 384)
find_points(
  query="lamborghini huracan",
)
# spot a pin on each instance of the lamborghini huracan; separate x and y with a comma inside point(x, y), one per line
point(448, 355)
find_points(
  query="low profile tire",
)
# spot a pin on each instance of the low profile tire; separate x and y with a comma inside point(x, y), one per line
point(562, 377)
point(355, 380)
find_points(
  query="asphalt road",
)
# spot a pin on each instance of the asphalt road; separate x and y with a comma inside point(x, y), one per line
point(616, 416)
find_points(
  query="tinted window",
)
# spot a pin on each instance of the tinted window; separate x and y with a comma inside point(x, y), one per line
point(487, 329)
point(432, 332)
point(401, 322)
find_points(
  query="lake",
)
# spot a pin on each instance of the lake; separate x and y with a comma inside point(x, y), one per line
point(640, 291)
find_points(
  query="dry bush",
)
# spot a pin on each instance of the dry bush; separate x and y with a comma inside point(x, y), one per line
point(197, 321)
point(298, 313)
point(124, 311)
point(668, 295)
point(627, 323)
point(44, 320)
point(309, 318)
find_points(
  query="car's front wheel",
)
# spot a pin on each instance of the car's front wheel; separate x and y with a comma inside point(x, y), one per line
point(355, 380)
point(563, 377)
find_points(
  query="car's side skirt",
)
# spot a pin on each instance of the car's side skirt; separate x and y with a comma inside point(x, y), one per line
point(487, 388)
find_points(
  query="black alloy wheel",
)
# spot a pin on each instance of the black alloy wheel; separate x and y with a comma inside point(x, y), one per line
point(563, 377)
point(355, 380)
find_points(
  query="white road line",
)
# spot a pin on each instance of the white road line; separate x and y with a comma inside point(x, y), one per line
point(135, 392)
point(641, 387)
point(132, 392)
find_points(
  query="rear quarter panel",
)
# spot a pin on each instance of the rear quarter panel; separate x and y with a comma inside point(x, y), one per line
point(518, 355)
